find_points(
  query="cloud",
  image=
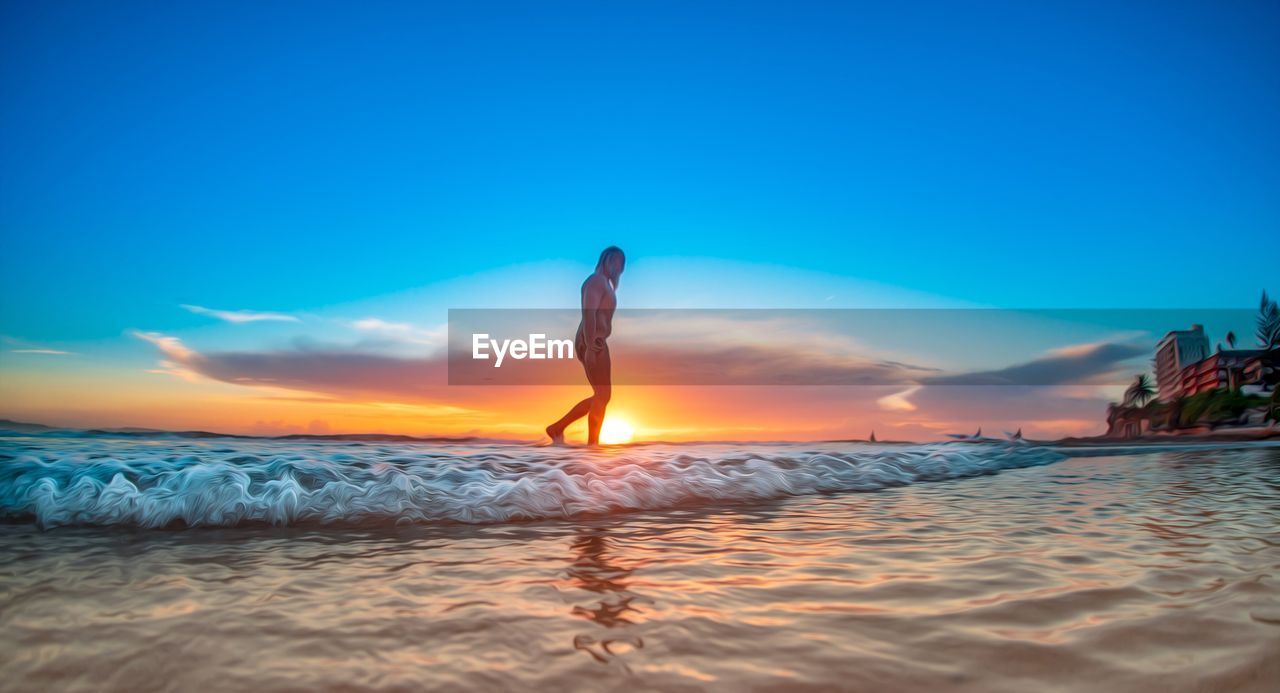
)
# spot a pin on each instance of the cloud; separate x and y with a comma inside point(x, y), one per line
point(1060, 387)
point(1060, 374)
point(177, 371)
point(177, 356)
point(343, 372)
point(402, 332)
point(982, 405)
point(357, 370)
point(305, 367)
point(418, 387)
point(756, 365)
point(169, 346)
point(1081, 364)
point(241, 316)
point(898, 401)
point(21, 346)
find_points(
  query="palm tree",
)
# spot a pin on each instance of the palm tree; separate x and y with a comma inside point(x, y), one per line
point(1140, 392)
point(1268, 324)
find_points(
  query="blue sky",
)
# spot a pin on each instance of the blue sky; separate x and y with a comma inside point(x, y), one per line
point(345, 162)
point(290, 156)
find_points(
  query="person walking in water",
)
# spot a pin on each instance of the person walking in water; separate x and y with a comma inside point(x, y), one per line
point(591, 346)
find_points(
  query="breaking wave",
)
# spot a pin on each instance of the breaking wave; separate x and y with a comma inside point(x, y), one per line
point(211, 484)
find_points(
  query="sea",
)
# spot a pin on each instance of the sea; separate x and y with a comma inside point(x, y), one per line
point(155, 562)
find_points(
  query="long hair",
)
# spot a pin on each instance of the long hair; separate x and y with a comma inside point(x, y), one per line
point(605, 255)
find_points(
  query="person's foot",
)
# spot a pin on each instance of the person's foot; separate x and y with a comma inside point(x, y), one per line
point(557, 436)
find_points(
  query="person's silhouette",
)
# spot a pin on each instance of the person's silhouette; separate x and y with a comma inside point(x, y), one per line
point(599, 300)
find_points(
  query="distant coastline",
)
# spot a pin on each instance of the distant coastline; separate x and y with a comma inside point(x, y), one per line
point(1225, 435)
point(10, 426)
point(1229, 435)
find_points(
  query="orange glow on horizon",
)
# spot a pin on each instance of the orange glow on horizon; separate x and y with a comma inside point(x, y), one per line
point(92, 398)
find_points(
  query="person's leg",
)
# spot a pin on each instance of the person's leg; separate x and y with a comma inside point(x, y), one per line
point(592, 407)
point(579, 410)
point(556, 430)
point(602, 386)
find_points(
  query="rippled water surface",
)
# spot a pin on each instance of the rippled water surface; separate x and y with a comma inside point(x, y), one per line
point(143, 564)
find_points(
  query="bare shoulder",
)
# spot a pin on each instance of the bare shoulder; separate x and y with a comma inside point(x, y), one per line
point(594, 283)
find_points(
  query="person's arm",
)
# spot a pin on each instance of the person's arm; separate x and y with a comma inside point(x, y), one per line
point(591, 296)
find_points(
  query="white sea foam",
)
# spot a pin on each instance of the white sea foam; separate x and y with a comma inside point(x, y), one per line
point(163, 483)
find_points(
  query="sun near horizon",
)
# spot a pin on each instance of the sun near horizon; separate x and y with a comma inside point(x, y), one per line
point(616, 430)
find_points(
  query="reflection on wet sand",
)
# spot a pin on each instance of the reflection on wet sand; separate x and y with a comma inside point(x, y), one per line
point(612, 606)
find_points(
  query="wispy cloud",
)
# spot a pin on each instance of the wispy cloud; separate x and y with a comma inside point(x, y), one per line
point(171, 347)
point(241, 316)
point(176, 370)
point(177, 356)
point(898, 401)
point(402, 331)
point(22, 346)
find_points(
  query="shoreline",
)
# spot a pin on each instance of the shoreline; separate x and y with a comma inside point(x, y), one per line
point(1234, 435)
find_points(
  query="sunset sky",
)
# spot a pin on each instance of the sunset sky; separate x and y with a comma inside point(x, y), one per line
point(254, 219)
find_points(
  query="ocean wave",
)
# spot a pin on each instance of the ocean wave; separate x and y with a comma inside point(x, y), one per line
point(210, 485)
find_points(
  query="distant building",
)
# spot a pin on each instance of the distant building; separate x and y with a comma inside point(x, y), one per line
point(1224, 369)
point(1262, 371)
point(1176, 351)
point(1185, 368)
